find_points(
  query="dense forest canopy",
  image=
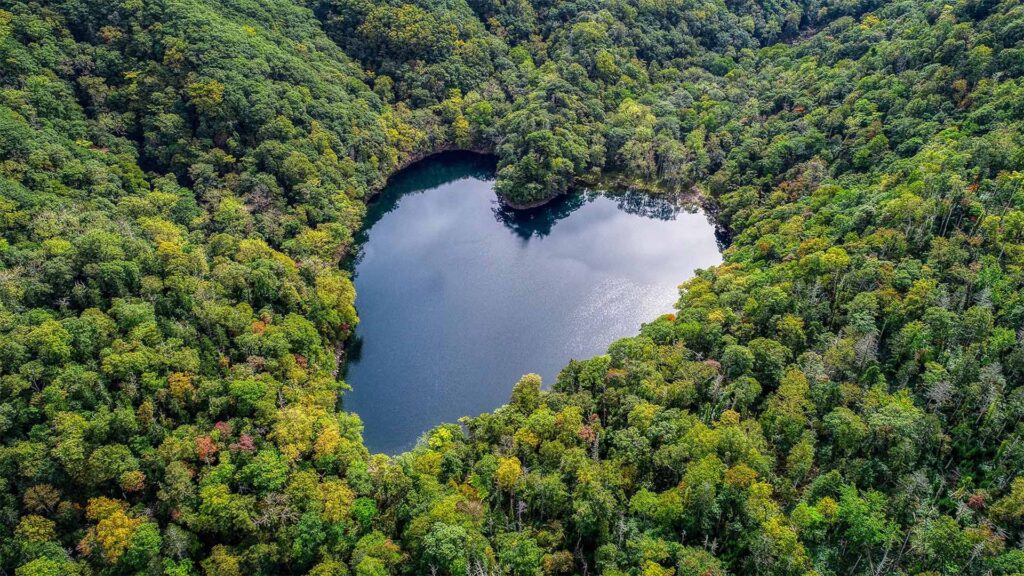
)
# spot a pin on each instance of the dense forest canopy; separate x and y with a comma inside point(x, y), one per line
point(180, 180)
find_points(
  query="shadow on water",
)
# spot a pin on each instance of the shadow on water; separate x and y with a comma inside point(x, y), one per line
point(425, 175)
point(422, 176)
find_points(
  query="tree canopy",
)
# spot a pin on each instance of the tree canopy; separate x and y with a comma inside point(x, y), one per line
point(180, 181)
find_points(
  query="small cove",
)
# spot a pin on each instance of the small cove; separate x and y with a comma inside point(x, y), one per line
point(458, 297)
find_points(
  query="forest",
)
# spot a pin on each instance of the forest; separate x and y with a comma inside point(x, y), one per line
point(181, 182)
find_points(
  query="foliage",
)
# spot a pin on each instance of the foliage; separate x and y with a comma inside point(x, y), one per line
point(181, 179)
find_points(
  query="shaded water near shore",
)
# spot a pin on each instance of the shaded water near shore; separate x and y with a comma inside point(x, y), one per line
point(458, 297)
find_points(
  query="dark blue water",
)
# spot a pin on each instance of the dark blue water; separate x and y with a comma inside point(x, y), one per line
point(458, 297)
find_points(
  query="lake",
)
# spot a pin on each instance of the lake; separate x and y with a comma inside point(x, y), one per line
point(459, 297)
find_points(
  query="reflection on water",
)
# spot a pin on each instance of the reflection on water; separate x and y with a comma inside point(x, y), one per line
point(539, 221)
point(458, 296)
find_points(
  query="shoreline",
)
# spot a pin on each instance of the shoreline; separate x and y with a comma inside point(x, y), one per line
point(604, 182)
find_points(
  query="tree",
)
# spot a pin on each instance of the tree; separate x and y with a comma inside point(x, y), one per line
point(445, 549)
point(519, 554)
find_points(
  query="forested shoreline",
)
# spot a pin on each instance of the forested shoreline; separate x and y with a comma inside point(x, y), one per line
point(181, 180)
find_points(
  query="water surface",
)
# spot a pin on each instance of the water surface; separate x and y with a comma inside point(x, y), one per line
point(458, 297)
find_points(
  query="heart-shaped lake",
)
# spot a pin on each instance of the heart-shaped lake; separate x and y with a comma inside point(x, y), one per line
point(459, 297)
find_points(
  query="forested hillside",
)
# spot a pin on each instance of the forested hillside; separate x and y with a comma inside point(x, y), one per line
point(181, 180)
